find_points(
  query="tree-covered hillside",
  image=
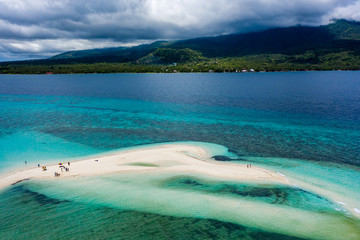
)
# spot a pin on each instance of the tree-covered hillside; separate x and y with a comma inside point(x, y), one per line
point(331, 47)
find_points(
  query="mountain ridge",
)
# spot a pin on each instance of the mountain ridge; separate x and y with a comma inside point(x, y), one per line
point(289, 40)
point(326, 47)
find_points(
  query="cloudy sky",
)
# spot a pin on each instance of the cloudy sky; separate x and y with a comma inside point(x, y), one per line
point(40, 28)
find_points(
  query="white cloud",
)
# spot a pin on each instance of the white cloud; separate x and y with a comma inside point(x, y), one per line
point(351, 12)
point(49, 47)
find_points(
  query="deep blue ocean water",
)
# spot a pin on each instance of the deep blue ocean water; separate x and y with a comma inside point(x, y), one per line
point(307, 115)
point(299, 123)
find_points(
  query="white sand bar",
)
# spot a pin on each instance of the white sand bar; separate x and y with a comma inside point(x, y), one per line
point(182, 158)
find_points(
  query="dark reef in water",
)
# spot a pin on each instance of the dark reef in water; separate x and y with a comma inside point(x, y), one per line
point(271, 194)
point(38, 197)
point(22, 180)
point(226, 159)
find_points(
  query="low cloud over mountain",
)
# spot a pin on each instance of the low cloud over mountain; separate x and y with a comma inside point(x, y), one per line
point(40, 28)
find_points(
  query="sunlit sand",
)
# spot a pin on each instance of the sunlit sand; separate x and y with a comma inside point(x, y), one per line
point(160, 158)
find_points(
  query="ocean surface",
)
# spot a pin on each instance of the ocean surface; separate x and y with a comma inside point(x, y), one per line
point(304, 125)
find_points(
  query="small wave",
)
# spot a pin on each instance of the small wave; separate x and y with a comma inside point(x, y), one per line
point(281, 174)
point(341, 203)
point(357, 210)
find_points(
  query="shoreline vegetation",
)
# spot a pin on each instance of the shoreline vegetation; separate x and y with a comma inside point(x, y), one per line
point(247, 64)
point(182, 158)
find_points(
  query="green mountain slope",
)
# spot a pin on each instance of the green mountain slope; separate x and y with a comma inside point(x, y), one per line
point(344, 30)
point(340, 35)
point(333, 46)
point(120, 54)
point(170, 55)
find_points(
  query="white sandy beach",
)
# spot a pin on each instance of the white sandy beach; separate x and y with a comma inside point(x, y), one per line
point(180, 158)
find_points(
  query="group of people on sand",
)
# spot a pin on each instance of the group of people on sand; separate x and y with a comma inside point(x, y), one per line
point(43, 167)
point(248, 165)
point(62, 167)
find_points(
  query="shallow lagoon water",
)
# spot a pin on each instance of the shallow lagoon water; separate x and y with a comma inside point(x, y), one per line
point(303, 125)
point(63, 219)
point(270, 208)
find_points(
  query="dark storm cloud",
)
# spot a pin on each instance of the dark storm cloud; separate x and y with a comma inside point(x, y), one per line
point(46, 27)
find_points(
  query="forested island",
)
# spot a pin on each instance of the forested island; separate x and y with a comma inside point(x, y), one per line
point(335, 46)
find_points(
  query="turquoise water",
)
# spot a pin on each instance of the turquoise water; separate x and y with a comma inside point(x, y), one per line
point(303, 125)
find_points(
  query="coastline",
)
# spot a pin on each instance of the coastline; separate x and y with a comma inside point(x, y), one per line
point(161, 158)
point(184, 72)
